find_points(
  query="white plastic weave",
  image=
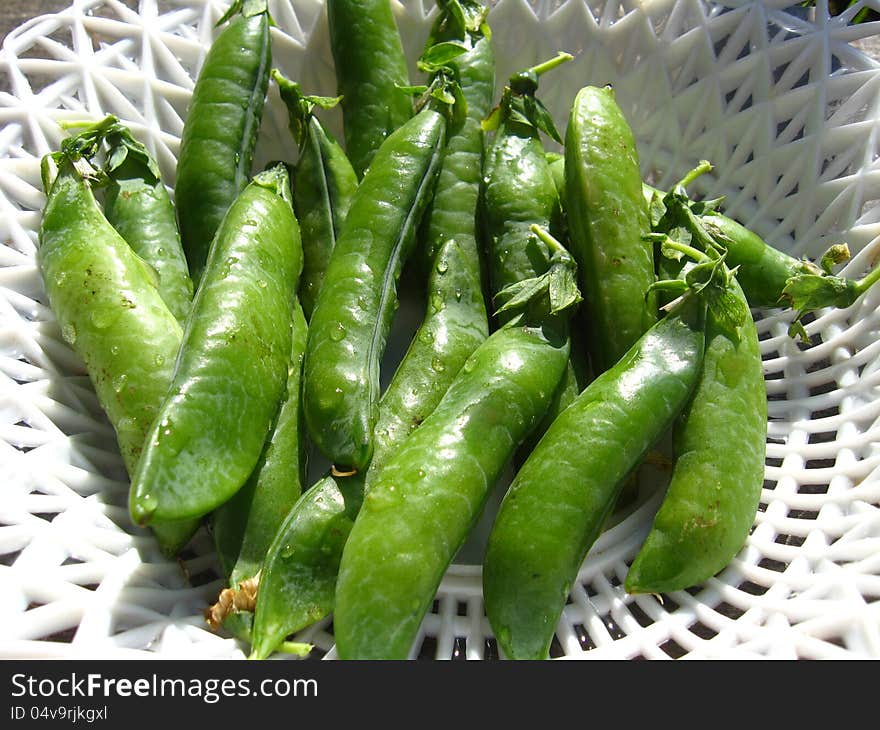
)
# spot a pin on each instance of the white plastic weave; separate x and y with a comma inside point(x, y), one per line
point(779, 100)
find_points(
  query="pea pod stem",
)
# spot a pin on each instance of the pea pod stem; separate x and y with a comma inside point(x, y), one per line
point(701, 169)
point(550, 63)
point(866, 282)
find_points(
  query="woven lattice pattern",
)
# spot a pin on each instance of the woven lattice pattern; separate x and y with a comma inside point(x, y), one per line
point(783, 105)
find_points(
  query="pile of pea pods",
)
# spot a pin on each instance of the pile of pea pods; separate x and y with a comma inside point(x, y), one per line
point(574, 315)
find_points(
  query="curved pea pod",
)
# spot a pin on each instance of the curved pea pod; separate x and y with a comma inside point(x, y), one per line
point(323, 186)
point(137, 204)
point(111, 313)
point(424, 501)
point(221, 126)
point(607, 221)
point(244, 526)
point(354, 309)
point(298, 580)
point(371, 72)
point(720, 444)
point(429, 495)
point(563, 493)
point(233, 362)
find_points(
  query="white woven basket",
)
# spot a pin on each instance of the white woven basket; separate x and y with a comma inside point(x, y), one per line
point(780, 101)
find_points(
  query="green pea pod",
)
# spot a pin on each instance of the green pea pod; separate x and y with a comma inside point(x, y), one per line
point(221, 126)
point(772, 278)
point(111, 314)
point(244, 526)
point(720, 444)
point(458, 186)
point(354, 309)
point(298, 581)
point(426, 498)
point(563, 493)
point(371, 73)
point(607, 221)
point(518, 187)
point(519, 192)
point(233, 361)
point(323, 186)
point(137, 204)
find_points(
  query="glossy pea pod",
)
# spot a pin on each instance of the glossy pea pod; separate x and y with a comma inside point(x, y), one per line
point(719, 444)
point(137, 204)
point(563, 493)
point(323, 184)
point(112, 314)
point(244, 527)
point(356, 304)
point(371, 72)
point(452, 212)
point(221, 126)
point(233, 362)
point(298, 581)
point(424, 501)
point(427, 498)
point(519, 191)
point(607, 220)
point(518, 187)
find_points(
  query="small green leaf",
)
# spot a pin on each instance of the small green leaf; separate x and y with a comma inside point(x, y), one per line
point(704, 207)
point(797, 331)
point(440, 54)
point(493, 120)
point(123, 146)
point(563, 289)
point(729, 310)
point(540, 118)
point(521, 293)
point(456, 11)
point(809, 292)
point(681, 235)
point(444, 95)
point(656, 210)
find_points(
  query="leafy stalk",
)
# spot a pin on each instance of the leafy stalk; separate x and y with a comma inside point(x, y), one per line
point(812, 287)
point(520, 105)
point(552, 292)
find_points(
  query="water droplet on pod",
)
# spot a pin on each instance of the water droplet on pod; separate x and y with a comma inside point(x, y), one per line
point(337, 334)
